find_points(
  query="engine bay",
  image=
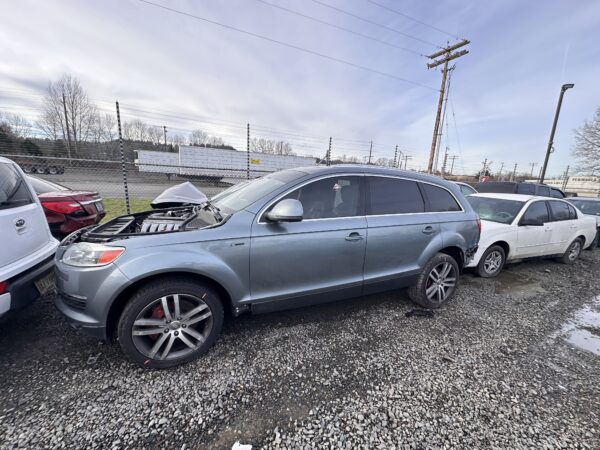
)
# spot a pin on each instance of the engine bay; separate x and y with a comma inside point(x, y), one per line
point(158, 221)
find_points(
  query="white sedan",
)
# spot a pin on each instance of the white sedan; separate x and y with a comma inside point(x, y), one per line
point(515, 227)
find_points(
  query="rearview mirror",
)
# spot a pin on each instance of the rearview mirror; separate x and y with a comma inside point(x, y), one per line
point(288, 210)
point(531, 223)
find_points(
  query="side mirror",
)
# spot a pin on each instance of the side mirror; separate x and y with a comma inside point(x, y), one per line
point(288, 210)
point(531, 223)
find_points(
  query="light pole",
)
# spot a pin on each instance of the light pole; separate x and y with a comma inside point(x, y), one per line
point(551, 141)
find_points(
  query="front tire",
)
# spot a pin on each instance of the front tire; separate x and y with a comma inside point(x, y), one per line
point(573, 252)
point(436, 283)
point(491, 262)
point(170, 322)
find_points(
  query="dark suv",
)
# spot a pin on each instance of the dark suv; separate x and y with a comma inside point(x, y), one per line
point(513, 187)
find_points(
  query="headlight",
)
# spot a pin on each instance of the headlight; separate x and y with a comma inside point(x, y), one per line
point(84, 254)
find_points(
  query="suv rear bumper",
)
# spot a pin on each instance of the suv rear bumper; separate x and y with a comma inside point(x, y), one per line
point(21, 289)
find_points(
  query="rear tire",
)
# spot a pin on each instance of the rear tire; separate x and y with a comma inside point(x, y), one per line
point(437, 282)
point(573, 252)
point(169, 322)
point(491, 262)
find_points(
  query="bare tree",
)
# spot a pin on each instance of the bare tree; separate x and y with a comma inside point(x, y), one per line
point(135, 130)
point(156, 134)
point(80, 111)
point(20, 126)
point(587, 144)
point(103, 128)
point(198, 137)
point(262, 145)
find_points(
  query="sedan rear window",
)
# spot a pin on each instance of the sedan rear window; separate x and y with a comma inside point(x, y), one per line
point(587, 206)
point(44, 186)
point(13, 190)
point(495, 209)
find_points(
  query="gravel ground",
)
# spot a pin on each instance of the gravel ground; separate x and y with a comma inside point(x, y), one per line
point(490, 370)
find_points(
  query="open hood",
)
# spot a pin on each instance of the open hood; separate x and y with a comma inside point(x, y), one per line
point(179, 195)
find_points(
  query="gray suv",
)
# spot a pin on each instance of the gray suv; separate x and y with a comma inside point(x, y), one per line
point(162, 280)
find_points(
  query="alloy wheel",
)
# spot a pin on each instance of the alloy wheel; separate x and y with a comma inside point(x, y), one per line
point(492, 262)
point(172, 326)
point(441, 282)
point(574, 250)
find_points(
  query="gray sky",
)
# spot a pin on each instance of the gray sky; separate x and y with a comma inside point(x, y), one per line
point(163, 64)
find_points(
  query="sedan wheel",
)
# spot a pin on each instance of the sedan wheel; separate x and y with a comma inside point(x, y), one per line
point(573, 252)
point(491, 262)
point(170, 322)
point(437, 283)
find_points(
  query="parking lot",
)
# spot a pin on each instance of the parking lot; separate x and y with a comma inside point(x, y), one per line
point(494, 368)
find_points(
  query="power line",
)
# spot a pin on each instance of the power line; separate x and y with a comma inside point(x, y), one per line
point(395, 11)
point(377, 24)
point(286, 44)
point(347, 30)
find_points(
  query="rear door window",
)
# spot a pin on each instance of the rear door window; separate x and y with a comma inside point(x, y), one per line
point(440, 200)
point(527, 189)
point(559, 210)
point(537, 211)
point(394, 196)
point(13, 190)
point(572, 213)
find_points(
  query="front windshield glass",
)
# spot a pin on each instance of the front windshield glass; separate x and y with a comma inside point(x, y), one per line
point(237, 199)
point(495, 209)
point(587, 206)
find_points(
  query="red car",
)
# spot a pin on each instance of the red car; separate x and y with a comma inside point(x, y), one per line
point(67, 210)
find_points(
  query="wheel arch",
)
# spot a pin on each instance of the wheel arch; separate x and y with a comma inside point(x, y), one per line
point(120, 301)
point(456, 253)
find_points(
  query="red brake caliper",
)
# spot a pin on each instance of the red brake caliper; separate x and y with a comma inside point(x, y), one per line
point(157, 313)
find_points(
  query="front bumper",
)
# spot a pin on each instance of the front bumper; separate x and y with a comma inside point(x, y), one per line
point(86, 294)
point(21, 289)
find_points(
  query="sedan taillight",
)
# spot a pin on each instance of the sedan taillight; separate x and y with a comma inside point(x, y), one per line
point(3, 286)
point(479, 225)
point(63, 207)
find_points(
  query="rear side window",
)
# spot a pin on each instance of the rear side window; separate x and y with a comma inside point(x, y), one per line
point(555, 193)
point(466, 190)
point(537, 211)
point(440, 200)
point(13, 190)
point(572, 213)
point(527, 189)
point(559, 210)
point(394, 196)
point(544, 191)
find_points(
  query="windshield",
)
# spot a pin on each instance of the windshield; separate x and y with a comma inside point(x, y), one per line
point(587, 206)
point(229, 190)
point(495, 209)
point(242, 197)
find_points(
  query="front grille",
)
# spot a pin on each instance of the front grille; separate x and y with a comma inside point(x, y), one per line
point(74, 302)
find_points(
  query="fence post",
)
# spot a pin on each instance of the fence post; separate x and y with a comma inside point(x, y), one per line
point(248, 154)
point(123, 161)
point(329, 153)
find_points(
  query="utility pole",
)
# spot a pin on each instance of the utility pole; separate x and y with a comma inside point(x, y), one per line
point(406, 158)
point(329, 153)
point(165, 133)
point(248, 152)
point(395, 156)
point(533, 167)
point(563, 88)
point(67, 125)
point(370, 152)
point(445, 162)
point(484, 170)
point(447, 56)
point(514, 174)
point(501, 167)
point(566, 179)
point(453, 157)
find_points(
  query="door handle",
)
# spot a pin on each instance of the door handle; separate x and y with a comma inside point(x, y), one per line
point(354, 236)
point(428, 230)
